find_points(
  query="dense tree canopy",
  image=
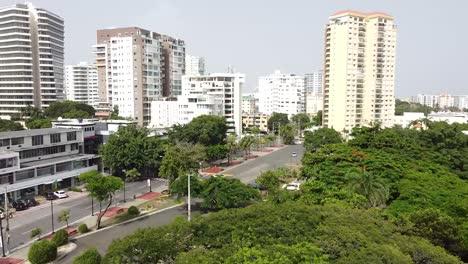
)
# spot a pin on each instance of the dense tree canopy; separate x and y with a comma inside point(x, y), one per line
point(9, 125)
point(301, 119)
point(402, 106)
point(221, 193)
point(132, 148)
point(182, 159)
point(70, 108)
point(277, 120)
point(323, 136)
point(206, 130)
point(287, 133)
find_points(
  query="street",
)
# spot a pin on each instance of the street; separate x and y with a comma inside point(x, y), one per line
point(246, 171)
point(24, 222)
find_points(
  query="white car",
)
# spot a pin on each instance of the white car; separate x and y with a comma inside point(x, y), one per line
point(294, 154)
point(293, 186)
point(61, 194)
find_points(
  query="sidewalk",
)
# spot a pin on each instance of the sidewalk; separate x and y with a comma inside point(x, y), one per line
point(20, 255)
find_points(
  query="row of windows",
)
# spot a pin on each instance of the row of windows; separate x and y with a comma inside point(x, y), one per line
point(26, 154)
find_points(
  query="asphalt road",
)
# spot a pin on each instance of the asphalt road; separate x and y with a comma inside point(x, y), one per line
point(246, 171)
point(24, 222)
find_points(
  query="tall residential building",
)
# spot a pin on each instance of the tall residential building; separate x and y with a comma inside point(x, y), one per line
point(31, 58)
point(313, 82)
point(214, 94)
point(173, 66)
point(281, 93)
point(426, 99)
point(194, 65)
point(249, 104)
point(81, 84)
point(136, 66)
point(359, 73)
point(314, 103)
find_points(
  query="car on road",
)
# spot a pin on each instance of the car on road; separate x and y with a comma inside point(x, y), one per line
point(31, 202)
point(60, 194)
point(19, 205)
point(50, 196)
point(10, 213)
point(294, 154)
point(292, 186)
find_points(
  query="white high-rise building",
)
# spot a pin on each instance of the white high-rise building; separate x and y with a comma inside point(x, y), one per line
point(194, 65)
point(81, 83)
point(359, 73)
point(31, 58)
point(461, 101)
point(314, 103)
point(136, 66)
point(281, 93)
point(313, 82)
point(249, 104)
point(214, 94)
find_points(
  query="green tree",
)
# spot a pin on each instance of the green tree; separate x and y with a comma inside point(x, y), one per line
point(256, 133)
point(402, 106)
point(38, 123)
point(179, 186)
point(277, 120)
point(31, 112)
point(8, 125)
point(269, 180)
point(322, 136)
point(287, 133)
point(42, 252)
point(207, 130)
point(216, 152)
point(270, 138)
point(301, 119)
point(37, 232)
point(89, 256)
point(368, 185)
point(101, 188)
point(64, 216)
point(246, 143)
point(181, 159)
point(132, 148)
point(132, 175)
point(60, 108)
point(77, 114)
point(317, 119)
point(221, 193)
point(231, 145)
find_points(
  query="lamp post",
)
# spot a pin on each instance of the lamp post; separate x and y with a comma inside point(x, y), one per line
point(7, 215)
point(189, 209)
point(92, 206)
point(1, 235)
point(124, 180)
point(52, 214)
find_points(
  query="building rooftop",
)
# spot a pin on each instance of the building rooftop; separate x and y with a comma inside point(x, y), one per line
point(35, 132)
point(361, 14)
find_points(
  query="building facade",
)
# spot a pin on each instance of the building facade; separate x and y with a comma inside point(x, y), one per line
point(136, 66)
point(81, 84)
point(313, 82)
point(359, 73)
point(31, 58)
point(249, 104)
point(214, 94)
point(250, 120)
point(314, 103)
point(281, 93)
point(194, 65)
point(407, 118)
point(32, 160)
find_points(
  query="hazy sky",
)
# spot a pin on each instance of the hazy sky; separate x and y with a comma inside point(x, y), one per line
point(259, 36)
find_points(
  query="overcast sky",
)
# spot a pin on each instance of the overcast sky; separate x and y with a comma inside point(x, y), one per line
point(259, 36)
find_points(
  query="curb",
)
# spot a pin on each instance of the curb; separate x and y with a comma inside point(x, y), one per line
point(129, 221)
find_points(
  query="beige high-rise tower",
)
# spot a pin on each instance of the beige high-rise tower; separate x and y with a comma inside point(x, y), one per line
point(359, 70)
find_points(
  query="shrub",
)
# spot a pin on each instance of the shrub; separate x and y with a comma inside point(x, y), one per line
point(60, 238)
point(42, 252)
point(133, 211)
point(36, 233)
point(75, 189)
point(83, 228)
point(89, 256)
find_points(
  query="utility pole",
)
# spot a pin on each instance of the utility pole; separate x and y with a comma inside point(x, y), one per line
point(124, 180)
point(7, 215)
point(189, 209)
point(52, 214)
point(92, 206)
point(1, 235)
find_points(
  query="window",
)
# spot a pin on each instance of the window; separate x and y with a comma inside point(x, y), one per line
point(37, 140)
point(17, 141)
point(55, 138)
point(71, 136)
point(74, 146)
point(4, 142)
point(7, 163)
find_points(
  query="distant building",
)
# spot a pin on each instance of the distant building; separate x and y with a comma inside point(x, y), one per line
point(214, 94)
point(250, 120)
point(449, 117)
point(313, 82)
point(32, 160)
point(359, 73)
point(249, 104)
point(461, 101)
point(194, 65)
point(407, 118)
point(32, 58)
point(314, 103)
point(281, 93)
point(136, 66)
point(81, 83)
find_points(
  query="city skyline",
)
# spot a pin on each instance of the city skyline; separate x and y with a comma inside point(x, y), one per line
point(425, 63)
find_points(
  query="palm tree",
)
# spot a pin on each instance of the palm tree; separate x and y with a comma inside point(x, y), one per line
point(231, 143)
point(246, 143)
point(368, 185)
point(256, 132)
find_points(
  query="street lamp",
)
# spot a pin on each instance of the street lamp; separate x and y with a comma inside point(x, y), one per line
point(124, 180)
point(189, 209)
point(52, 214)
point(1, 235)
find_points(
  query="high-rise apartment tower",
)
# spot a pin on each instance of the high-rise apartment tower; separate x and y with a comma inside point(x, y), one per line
point(31, 58)
point(359, 70)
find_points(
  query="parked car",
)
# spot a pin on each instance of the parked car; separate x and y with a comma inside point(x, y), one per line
point(292, 186)
point(50, 196)
point(19, 205)
point(31, 202)
point(61, 194)
point(294, 154)
point(10, 213)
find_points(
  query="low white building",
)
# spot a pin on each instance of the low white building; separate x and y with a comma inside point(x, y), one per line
point(281, 93)
point(449, 117)
point(314, 103)
point(214, 94)
point(408, 117)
